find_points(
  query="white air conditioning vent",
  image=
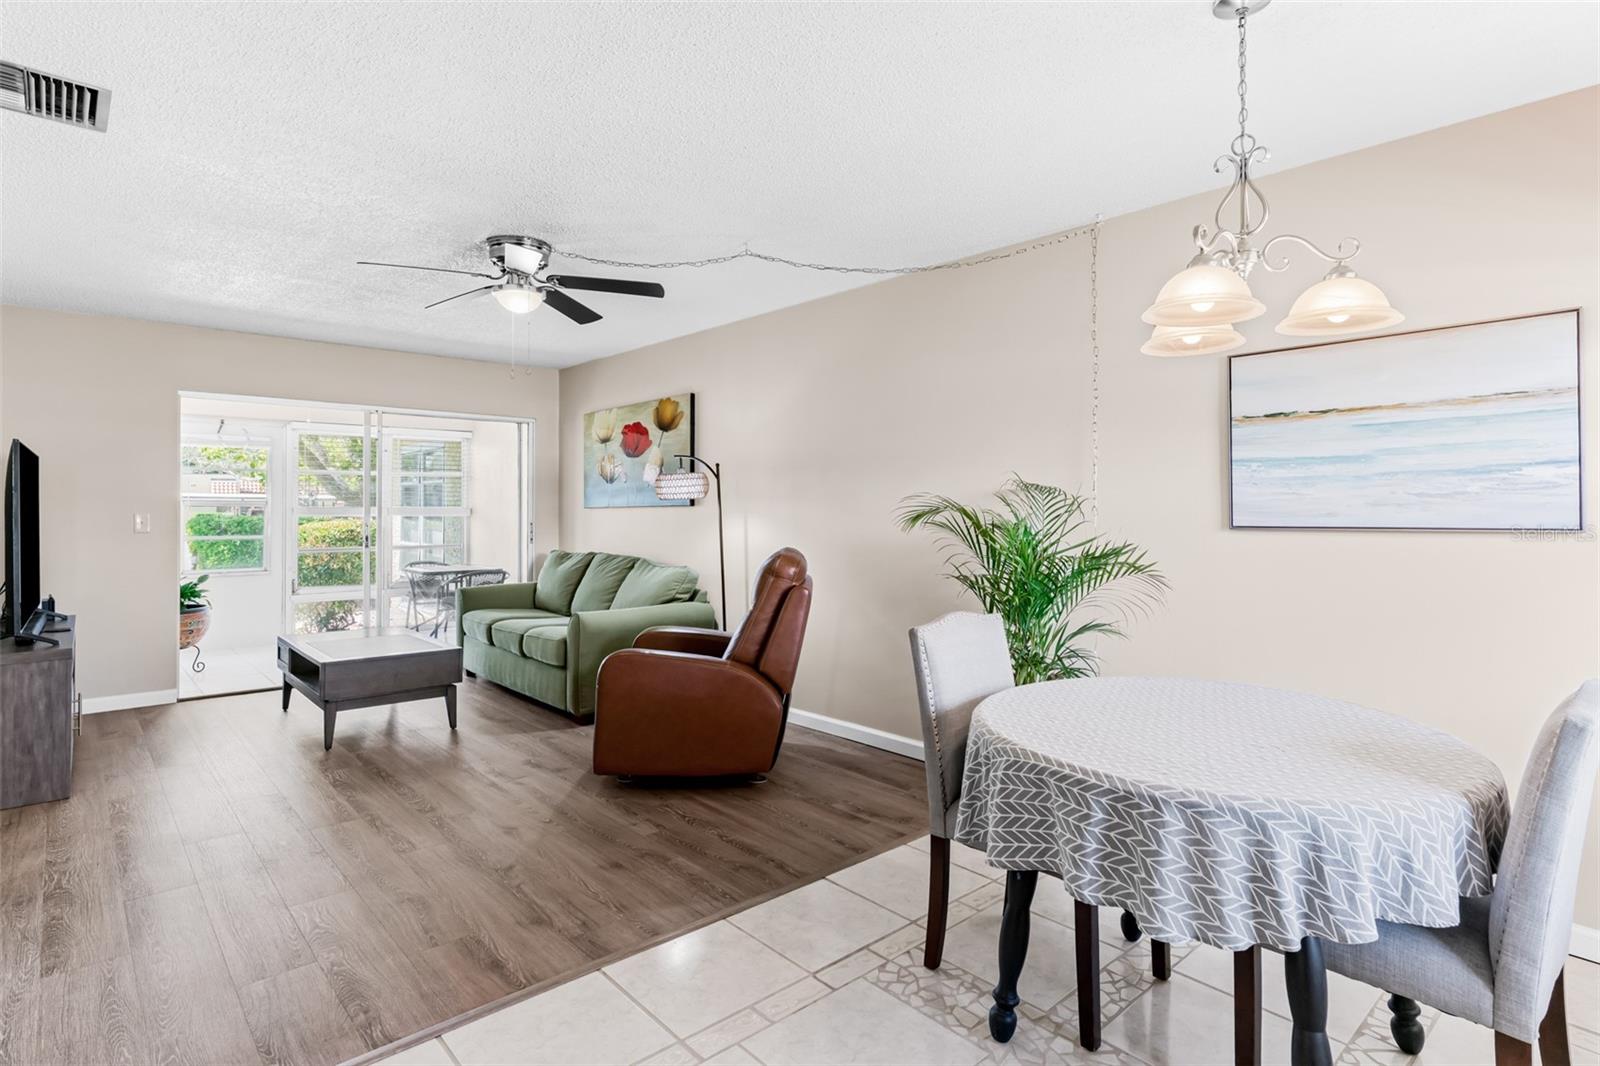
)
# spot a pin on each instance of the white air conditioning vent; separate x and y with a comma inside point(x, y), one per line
point(61, 99)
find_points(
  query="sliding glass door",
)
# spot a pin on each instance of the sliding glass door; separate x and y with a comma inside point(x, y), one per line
point(393, 515)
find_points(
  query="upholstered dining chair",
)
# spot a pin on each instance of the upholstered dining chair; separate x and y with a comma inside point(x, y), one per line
point(959, 660)
point(1502, 967)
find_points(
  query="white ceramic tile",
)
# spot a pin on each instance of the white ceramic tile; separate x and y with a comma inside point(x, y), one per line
point(899, 940)
point(1182, 1021)
point(1050, 972)
point(734, 1056)
point(676, 1055)
point(786, 1002)
point(1453, 1042)
point(964, 857)
point(728, 1031)
point(431, 1053)
point(588, 1020)
point(861, 1023)
point(898, 880)
point(818, 923)
point(844, 971)
point(702, 976)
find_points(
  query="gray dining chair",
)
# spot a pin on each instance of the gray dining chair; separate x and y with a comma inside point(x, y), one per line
point(1502, 967)
point(959, 659)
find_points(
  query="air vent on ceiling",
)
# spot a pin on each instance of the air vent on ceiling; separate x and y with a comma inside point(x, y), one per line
point(47, 96)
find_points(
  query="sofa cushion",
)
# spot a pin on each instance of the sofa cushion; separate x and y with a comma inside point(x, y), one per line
point(547, 643)
point(558, 580)
point(507, 634)
point(649, 584)
point(600, 582)
point(479, 623)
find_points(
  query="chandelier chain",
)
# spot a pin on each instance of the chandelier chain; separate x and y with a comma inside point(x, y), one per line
point(1244, 112)
point(746, 253)
point(1094, 372)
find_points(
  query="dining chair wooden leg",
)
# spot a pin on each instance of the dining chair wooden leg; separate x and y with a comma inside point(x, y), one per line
point(1247, 1007)
point(1086, 934)
point(1405, 1024)
point(1509, 1051)
point(1307, 983)
point(1161, 959)
point(938, 900)
point(1553, 1050)
point(1014, 922)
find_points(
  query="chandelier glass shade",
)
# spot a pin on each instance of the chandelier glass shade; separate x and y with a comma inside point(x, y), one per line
point(1202, 294)
point(1339, 303)
point(1192, 340)
point(1213, 289)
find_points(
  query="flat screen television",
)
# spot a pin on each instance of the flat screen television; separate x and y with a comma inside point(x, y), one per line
point(22, 536)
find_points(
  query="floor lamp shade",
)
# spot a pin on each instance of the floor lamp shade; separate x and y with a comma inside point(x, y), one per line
point(682, 485)
point(694, 483)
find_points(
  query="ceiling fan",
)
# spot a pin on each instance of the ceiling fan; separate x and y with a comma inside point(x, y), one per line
point(521, 284)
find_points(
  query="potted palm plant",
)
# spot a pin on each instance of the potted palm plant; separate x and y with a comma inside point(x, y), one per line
point(194, 612)
point(1031, 561)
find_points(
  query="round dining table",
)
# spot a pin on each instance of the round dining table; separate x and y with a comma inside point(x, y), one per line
point(1228, 814)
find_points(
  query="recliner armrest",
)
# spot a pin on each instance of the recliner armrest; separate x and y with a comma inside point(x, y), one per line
point(690, 641)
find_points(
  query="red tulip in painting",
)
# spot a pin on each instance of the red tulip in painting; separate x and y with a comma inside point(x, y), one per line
point(635, 439)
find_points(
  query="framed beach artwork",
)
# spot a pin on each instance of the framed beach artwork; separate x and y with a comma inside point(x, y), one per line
point(1472, 427)
point(625, 447)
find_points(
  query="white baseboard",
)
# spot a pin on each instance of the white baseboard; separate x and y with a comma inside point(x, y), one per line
point(127, 700)
point(1585, 942)
point(861, 734)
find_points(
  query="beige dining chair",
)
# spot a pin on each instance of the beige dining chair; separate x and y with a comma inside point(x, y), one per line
point(960, 659)
point(1503, 966)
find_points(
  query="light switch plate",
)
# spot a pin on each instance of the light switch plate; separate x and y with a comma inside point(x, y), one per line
point(141, 523)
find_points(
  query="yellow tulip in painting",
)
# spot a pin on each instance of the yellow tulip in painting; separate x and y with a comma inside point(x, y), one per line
point(627, 446)
point(668, 414)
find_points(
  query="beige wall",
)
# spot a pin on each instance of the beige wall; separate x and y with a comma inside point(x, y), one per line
point(825, 414)
point(97, 398)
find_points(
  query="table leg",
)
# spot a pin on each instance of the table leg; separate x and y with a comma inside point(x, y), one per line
point(1247, 1007)
point(450, 704)
point(1086, 937)
point(286, 691)
point(1161, 960)
point(1014, 928)
point(1307, 983)
point(327, 728)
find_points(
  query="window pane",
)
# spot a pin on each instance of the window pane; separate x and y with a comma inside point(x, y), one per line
point(319, 569)
point(227, 555)
point(218, 470)
point(329, 451)
point(334, 531)
point(333, 490)
point(328, 616)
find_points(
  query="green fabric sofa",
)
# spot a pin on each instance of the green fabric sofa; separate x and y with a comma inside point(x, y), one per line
point(547, 638)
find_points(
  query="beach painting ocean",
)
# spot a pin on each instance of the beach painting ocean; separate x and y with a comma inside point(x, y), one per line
point(1472, 427)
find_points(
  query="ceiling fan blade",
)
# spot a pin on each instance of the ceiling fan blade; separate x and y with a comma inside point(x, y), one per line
point(459, 295)
point(626, 288)
point(436, 270)
point(571, 308)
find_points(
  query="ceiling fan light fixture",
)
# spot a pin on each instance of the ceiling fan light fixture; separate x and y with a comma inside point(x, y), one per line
point(518, 298)
point(1340, 303)
point(1168, 341)
point(1204, 294)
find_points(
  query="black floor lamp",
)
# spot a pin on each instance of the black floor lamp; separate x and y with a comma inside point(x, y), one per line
point(691, 484)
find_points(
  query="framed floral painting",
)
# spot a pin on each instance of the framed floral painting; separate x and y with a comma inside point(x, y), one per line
point(625, 447)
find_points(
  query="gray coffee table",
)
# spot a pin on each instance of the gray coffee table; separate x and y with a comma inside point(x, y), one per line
point(366, 668)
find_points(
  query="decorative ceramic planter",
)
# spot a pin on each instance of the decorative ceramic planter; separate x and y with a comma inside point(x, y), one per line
point(192, 625)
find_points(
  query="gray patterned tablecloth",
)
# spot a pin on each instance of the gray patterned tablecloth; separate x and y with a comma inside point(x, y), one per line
point(1231, 814)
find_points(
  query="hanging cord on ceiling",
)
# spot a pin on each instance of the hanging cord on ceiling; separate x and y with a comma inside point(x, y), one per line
point(1094, 371)
point(746, 253)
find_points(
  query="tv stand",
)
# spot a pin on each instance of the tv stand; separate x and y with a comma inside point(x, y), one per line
point(39, 713)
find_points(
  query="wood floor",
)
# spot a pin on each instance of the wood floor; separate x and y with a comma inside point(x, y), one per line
point(220, 890)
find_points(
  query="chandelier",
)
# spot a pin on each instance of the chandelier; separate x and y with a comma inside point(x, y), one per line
point(1195, 312)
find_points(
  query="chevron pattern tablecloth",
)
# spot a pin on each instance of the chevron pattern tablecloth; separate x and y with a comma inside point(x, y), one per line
point(1231, 814)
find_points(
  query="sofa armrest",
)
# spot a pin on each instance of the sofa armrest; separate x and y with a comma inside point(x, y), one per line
point(663, 713)
point(515, 595)
point(712, 642)
point(595, 634)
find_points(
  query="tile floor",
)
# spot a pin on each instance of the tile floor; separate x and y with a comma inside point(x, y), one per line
point(832, 973)
point(228, 670)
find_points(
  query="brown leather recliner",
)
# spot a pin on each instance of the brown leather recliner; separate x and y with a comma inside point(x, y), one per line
point(704, 703)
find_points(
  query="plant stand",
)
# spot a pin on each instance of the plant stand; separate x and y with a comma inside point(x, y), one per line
point(197, 666)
